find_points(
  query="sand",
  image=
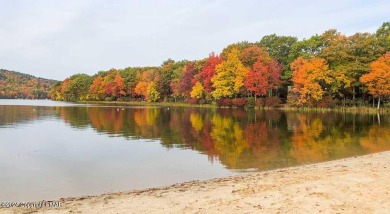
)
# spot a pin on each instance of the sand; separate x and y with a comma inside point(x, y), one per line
point(352, 185)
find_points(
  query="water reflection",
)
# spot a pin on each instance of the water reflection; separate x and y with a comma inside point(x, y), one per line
point(14, 115)
point(238, 139)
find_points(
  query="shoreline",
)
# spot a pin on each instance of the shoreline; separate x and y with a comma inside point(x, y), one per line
point(352, 185)
point(283, 107)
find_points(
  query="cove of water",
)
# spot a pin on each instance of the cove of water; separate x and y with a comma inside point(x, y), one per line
point(50, 150)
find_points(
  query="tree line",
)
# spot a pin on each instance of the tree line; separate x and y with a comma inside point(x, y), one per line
point(321, 71)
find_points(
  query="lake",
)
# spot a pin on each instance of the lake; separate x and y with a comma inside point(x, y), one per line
point(50, 150)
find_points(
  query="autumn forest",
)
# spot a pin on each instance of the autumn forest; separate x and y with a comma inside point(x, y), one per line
point(17, 85)
point(322, 71)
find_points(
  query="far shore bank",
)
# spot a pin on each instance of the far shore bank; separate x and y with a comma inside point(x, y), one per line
point(283, 107)
point(352, 185)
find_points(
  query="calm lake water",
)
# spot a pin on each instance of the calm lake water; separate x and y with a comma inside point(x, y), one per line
point(50, 150)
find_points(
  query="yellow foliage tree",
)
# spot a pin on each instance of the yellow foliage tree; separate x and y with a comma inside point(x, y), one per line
point(153, 94)
point(229, 76)
point(197, 91)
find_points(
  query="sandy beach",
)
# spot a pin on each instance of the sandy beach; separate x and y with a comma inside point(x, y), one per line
point(352, 185)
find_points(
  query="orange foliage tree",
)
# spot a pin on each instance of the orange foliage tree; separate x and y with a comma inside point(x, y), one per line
point(118, 86)
point(142, 89)
point(378, 79)
point(309, 76)
point(97, 89)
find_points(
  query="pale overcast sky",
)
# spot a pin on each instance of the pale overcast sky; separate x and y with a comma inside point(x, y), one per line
point(58, 38)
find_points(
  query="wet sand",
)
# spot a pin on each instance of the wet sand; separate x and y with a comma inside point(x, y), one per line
point(352, 185)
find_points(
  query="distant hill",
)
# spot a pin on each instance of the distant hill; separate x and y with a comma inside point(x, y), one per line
point(15, 85)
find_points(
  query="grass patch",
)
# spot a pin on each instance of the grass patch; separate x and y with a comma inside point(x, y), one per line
point(340, 109)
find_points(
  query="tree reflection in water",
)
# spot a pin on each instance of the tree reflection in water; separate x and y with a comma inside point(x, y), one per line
point(239, 139)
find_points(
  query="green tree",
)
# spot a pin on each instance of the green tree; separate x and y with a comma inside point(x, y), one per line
point(363, 49)
point(129, 76)
point(279, 48)
point(335, 51)
point(55, 91)
point(76, 87)
point(383, 37)
point(169, 71)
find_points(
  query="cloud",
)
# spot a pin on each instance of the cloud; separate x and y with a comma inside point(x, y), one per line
point(56, 39)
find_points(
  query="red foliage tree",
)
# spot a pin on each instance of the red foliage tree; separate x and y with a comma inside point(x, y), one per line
point(209, 70)
point(264, 76)
point(186, 83)
point(109, 88)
